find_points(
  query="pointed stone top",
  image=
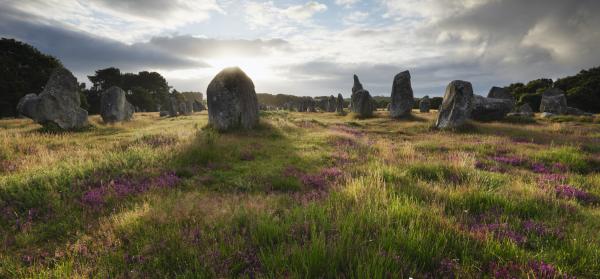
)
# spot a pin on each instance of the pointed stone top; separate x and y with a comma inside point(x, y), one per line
point(357, 85)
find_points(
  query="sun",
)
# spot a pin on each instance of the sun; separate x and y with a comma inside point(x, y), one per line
point(255, 68)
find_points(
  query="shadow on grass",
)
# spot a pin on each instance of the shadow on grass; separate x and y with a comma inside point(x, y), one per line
point(52, 208)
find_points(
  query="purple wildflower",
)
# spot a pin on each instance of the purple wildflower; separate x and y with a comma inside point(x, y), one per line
point(568, 191)
point(486, 167)
point(314, 181)
point(94, 197)
point(509, 270)
point(544, 270)
point(509, 160)
point(331, 173)
point(448, 267)
point(539, 168)
point(500, 231)
point(291, 171)
point(166, 180)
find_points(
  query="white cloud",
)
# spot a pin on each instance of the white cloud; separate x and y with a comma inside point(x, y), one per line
point(125, 20)
point(346, 3)
point(283, 20)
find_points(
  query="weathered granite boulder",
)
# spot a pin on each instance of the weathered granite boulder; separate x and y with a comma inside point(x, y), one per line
point(362, 103)
point(114, 106)
point(425, 104)
point(487, 109)
point(340, 105)
point(232, 101)
point(402, 96)
point(456, 106)
point(58, 105)
point(500, 93)
point(554, 101)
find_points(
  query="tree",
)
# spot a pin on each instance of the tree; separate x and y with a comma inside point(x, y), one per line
point(146, 90)
point(23, 70)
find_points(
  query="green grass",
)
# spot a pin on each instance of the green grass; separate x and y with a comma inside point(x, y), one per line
point(304, 195)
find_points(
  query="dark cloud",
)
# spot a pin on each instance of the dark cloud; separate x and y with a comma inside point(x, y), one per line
point(559, 35)
point(203, 47)
point(83, 52)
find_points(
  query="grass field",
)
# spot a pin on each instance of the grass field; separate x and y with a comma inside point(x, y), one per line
point(305, 195)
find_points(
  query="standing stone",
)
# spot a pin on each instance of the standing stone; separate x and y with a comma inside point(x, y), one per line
point(198, 106)
point(232, 101)
point(58, 104)
point(362, 103)
point(331, 104)
point(402, 96)
point(488, 109)
point(114, 106)
point(456, 106)
point(173, 106)
point(500, 93)
point(425, 104)
point(554, 101)
point(357, 85)
point(340, 105)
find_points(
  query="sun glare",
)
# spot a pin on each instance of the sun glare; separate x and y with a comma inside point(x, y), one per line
point(255, 68)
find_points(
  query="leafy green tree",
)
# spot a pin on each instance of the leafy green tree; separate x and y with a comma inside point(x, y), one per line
point(23, 70)
point(583, 89)
point(146, 90)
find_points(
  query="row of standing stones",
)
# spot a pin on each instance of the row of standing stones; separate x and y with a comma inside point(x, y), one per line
point(232, 103)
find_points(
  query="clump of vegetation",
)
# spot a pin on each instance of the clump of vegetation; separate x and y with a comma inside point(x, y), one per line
point(305, 195)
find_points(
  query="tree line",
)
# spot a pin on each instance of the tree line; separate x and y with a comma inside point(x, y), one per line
point(24, 69)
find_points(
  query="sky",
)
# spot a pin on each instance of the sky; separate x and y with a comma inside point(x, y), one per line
point(312, 48)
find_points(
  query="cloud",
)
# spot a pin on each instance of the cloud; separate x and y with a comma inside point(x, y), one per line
point(346, 3)
point(211, 48)
point(83, 52)
point(125, 20)
point(266, 14)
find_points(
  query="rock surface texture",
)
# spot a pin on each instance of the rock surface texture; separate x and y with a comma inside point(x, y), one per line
point(362, 103)
point(487, 109)
point(402, 96)
point(424, 104)
point(500, 93)
point(456, 106)
point(554, 101)
point(58, 105)
point(114, 106)
point(340, 105)
point(232, 101)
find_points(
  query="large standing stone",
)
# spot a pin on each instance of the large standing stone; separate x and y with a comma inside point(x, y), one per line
point(232, 101)
point(340, 105)
point(362, 103)
point(173, 106)
point(58, 104)
point(487, 109)
point(424, 104)
point(402, 96)
point(331, 104)
point(500, 93)
point(554, 101)
point(114, 106)
point(456, 106)
point(357, 85)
